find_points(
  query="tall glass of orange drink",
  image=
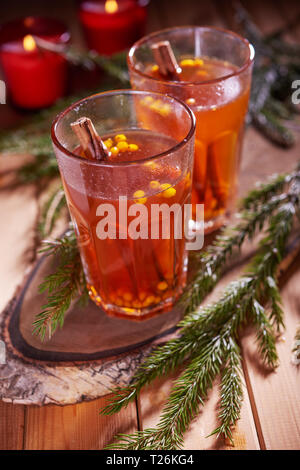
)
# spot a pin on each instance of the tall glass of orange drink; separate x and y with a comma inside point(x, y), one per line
point(132, 269)
point(213, 77)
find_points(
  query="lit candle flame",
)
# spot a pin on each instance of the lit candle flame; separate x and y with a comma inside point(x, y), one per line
point(29, 43)
point(111, 6)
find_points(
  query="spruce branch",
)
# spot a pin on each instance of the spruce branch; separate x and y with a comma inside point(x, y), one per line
point(214, 329)
point(276, 67)
point(231, 238)
point(263, 192)
point(296, 348)
point(188, 392)
point(64, 286)
point(33, 136)
point(51, 211)
point(231, 392)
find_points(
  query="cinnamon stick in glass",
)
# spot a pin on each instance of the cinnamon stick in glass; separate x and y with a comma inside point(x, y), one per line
point(165, 59)
point(89, 139)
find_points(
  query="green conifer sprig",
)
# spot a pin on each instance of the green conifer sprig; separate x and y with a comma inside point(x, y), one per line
point(212, 331)
point(65, 285)
point(296, 348)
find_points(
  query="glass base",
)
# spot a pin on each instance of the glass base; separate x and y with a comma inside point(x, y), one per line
point(138, 314)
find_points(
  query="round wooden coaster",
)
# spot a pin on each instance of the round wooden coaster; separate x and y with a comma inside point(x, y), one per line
point(91, 354)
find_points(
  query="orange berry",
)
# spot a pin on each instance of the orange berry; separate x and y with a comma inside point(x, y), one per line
point(122, 146)
point(114, 151)
point(108, 143)
point(120, 138)
point(162, 285)
point(133, 147)
point(154, 184)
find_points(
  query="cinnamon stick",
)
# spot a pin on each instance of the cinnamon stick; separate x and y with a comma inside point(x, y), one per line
point(214, 175)
point(89, 139)
point(165, 59)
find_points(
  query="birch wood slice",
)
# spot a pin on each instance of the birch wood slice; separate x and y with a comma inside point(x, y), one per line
point(86, 358)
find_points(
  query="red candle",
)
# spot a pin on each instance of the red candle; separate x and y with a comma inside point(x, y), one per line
point(112, 25)
point(35, 78)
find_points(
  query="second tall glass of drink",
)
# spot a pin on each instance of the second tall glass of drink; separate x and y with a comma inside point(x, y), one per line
point(210, 70)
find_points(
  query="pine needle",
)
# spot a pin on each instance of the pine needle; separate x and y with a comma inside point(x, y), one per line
point(208, 336)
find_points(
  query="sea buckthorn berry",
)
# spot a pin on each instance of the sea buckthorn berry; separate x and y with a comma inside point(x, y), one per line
point(187, 63)
point(149, 300)
point(127, 296)
point(154, 184)
point(164, 110)
point(151, 165)
point(148, 100)
point(139, 197)
point(162, 285)
point(156, 105)
point(133, 147)
point(114, 151)
point(119, 302)
point(190, 101)
point(170, 192)
point(108, 143)
point(198, 61)
point(165, 186)
point(120, 137)
point(142, 295)
point(154, 68)
point(138, 193)
point(122, 146)
point(136, 304)
point(188, 179)
point(202, 73)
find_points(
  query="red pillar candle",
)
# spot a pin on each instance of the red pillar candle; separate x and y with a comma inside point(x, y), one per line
point(111, 26)
point(35, 78)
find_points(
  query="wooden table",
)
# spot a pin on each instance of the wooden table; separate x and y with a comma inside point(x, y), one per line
point(271, 410)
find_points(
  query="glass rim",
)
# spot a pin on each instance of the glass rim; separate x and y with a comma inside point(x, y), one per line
point(249, 60)
point(173, 149)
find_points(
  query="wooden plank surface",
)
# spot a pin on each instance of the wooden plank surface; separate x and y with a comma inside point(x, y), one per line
point(276, 395)
point(75, 427)
point(270, 413)
point(12, 419)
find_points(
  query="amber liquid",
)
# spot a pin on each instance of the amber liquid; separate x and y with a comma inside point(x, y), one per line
point(130, 277)
point(220, 111)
